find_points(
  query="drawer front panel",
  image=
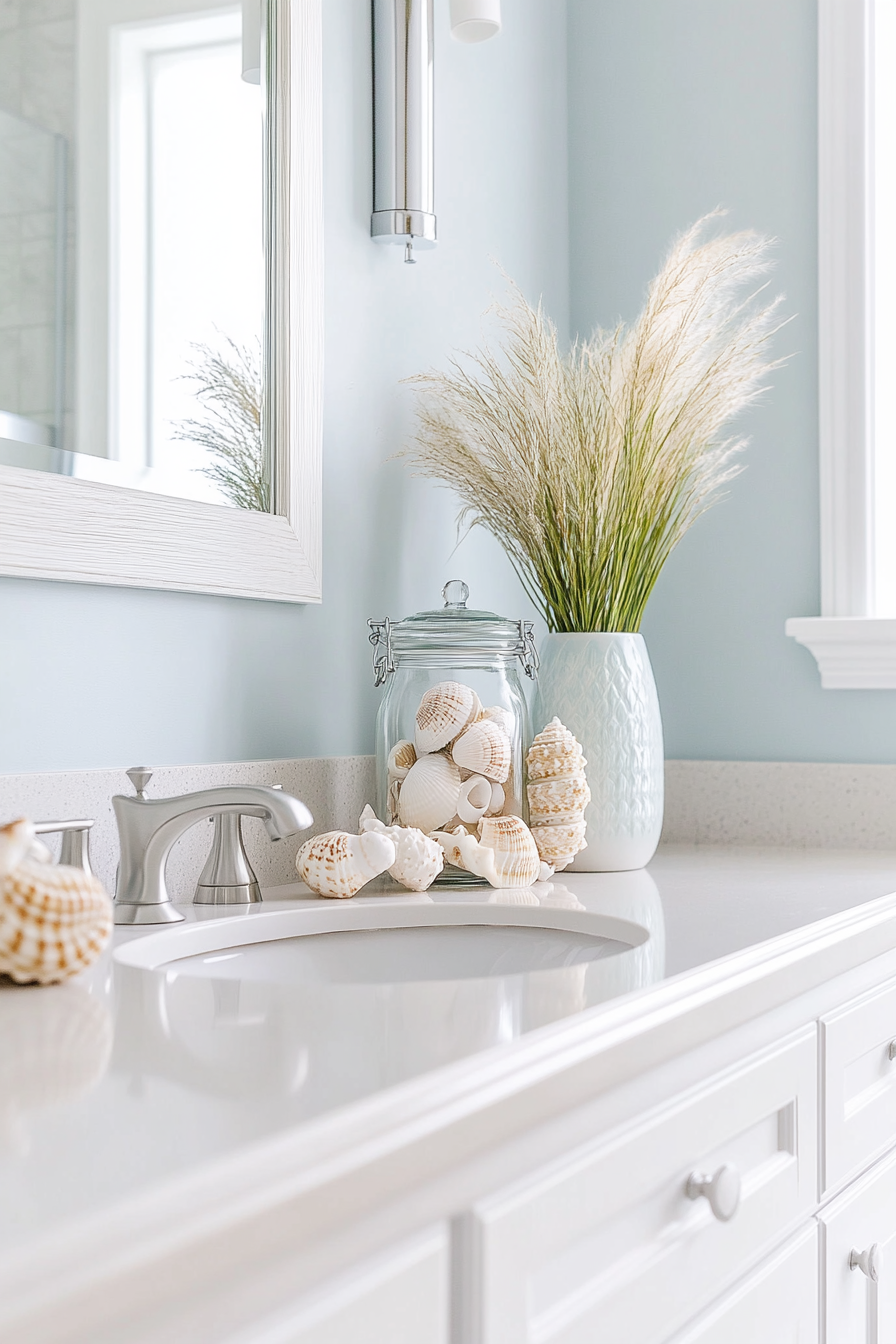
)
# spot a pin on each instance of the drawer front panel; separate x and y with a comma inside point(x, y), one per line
point(859, 1083)
point(400, 1297)
point(606, 1244)
point(858, 1308)
point(777, 1304)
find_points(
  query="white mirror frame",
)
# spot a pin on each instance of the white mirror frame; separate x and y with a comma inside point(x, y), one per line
point(56, 527)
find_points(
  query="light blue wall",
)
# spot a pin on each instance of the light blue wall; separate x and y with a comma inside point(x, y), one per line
point(102, 676)
point(674, 109)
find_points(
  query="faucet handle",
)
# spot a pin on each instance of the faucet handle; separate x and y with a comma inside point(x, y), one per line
point(139, 775)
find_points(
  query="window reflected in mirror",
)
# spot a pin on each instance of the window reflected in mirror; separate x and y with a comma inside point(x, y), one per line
point(132, 270)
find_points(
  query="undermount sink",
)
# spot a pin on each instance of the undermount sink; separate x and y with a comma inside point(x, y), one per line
point(321, 1002)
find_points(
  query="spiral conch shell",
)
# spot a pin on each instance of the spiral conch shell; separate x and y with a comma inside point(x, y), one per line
point(54, 920)
point(558, 794)
point(418, 860)
point(504, 855)
point(338, 864)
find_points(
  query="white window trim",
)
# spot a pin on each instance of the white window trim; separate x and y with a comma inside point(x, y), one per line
point(56, 527)
point(853, 649)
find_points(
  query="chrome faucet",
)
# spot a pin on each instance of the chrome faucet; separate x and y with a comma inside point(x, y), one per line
point(148, 827)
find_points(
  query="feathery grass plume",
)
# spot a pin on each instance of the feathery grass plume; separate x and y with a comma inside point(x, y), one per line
point(230, 390)
point(590, 467)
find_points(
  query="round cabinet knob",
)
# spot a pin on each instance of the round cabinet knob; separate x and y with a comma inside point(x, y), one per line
point(867, 1261)
point(891, 1050)
point(722, 1189)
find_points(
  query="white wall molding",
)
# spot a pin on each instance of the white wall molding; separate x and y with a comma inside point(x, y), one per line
point(853, 653)
point(844, 257)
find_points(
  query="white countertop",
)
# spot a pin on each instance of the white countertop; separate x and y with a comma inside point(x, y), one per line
point(122, 1081)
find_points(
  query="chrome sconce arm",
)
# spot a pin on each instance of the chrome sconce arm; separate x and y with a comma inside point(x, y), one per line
point(403, 125)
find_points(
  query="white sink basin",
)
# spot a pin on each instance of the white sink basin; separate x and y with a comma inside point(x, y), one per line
point(321, 1002)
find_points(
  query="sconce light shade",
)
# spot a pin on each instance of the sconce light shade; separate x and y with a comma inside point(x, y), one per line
point(252, 41)
point(475, 20)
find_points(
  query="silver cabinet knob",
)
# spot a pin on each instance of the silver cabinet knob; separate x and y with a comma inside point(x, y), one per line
point(867, 1261)
point(722, 1190)
point(891, 1050)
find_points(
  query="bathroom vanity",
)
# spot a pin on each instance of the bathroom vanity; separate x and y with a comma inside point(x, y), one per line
point(641, 1108)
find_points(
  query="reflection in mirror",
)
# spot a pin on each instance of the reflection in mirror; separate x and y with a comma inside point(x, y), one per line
point(132, 270)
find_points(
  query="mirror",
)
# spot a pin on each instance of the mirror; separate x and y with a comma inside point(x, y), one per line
point(160, 304)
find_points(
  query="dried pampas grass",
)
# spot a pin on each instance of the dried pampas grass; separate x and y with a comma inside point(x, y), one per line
point(590, 467)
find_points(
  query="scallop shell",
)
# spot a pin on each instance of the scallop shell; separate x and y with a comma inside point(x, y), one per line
point(338, 864)
point(474, 798)
point(444, 711)
point(54, 920)
point(504, 855)
point(516, 859)
point(558, 794)
point(485, 749)
point(401, 758)
point(418, 860)
point(429, 793)
point(499, 715)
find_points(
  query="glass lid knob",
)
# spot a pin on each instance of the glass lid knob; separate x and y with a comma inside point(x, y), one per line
point(455, 594)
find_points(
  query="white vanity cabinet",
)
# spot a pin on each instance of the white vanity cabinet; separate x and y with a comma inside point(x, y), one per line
point(859, 1237)
point(607, 1243)
point(399, 1297)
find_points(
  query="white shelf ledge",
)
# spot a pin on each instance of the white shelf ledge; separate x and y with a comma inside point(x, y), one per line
point(854, 653)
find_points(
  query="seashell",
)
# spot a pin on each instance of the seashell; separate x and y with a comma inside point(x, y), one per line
point(338, 864)
point(485, 749)
point(474, 798)
point(558, 845)
point(392, 801)
point(401, 758)
point(554, 751)
point(443, 713)
point(496, 802)
point(554, 801)
point(429, 793)
point(505, 854)
point(418, 860)
point(54, 920)
point(517, 861)
point(499, 715)
point(558, 794)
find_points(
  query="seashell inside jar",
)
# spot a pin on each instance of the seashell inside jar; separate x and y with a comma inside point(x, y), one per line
point(452, 726)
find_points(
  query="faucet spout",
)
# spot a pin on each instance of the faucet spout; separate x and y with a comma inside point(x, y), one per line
point(148, 827)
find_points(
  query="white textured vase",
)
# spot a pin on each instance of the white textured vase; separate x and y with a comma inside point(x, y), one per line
point(601, 687)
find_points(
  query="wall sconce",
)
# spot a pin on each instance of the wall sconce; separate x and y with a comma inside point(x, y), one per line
point(403, 146)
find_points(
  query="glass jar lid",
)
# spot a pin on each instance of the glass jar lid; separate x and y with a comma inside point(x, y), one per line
point(452, 628)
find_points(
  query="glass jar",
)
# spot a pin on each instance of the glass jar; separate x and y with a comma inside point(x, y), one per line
point(447, 672)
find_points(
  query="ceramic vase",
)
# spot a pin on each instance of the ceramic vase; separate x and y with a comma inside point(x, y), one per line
point(601, 686)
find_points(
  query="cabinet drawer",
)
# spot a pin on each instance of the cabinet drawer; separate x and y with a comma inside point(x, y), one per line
point(859, 1083)
point(400, 1297)
point(605, 1243)
point(777, 1304)
point(858, 1308)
